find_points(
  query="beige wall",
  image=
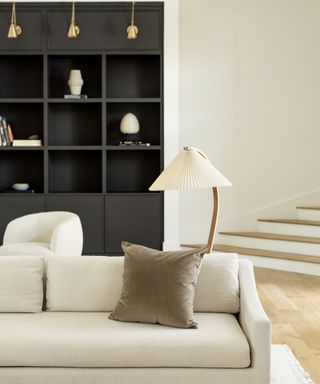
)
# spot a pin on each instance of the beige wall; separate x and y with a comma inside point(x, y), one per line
point(250, 99)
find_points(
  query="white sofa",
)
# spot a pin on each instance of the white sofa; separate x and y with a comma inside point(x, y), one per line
point(73, 341)
point(44, 233)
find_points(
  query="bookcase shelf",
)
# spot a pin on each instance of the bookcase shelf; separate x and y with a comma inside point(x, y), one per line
point(75, 171)
point(147, 114)
point(81, 167)
point(21, 78)
point(75, 124)
point(22, 167)
point(59, 67)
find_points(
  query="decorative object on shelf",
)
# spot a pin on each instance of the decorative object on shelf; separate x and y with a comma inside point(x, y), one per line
point(20, 186)
point(132, 30)
point(14, 30)
point(192, 169)
point(134, 144)
point(74, 30)
point(75, 97)
point(75, 82)
point(129, 124)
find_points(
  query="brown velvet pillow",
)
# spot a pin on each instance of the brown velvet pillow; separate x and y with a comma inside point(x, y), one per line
point(158, 287)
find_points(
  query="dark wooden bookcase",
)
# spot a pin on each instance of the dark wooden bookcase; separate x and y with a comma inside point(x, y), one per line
point(81, 167)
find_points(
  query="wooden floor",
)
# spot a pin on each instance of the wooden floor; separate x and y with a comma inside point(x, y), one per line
point(292, 302)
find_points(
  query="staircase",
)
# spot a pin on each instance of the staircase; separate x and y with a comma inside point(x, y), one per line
point(288, 244)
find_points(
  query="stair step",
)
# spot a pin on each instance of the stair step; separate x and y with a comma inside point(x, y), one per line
point(315, 223)
point(308, 213)
point(291, 227)
point(314, 208)
point(259, 252)
point(266, 253)
point(274, 236)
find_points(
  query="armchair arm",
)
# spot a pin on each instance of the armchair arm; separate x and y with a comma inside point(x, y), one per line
point(20, 230)
point(67, 238)
point(253, 320)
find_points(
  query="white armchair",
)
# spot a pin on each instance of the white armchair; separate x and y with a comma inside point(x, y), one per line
point(45, 233)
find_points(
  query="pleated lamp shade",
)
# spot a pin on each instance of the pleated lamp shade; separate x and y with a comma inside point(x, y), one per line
point(190, 169)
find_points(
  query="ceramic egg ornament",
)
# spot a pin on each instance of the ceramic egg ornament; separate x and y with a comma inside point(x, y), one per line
point(129, 124)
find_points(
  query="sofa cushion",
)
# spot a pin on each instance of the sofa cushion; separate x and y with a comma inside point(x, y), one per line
point(158, 287)
point(217, 288)
point(21, 285)
point(86, 283)
point(59, 339)
point(23, 249)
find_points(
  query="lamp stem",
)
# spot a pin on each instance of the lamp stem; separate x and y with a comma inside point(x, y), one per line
point(215, 213)
point(13, 15)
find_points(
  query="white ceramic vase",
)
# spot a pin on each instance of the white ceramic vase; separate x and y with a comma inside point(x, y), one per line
point(129, 124)
point(75, 82)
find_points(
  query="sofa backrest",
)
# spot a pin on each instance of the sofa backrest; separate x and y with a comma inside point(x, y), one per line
point(93, 283)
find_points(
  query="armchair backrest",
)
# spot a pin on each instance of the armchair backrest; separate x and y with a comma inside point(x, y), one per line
point(46, 227)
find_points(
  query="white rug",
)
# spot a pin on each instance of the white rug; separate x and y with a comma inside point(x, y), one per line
point(285, 368)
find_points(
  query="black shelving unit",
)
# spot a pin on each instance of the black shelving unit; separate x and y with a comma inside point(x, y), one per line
point(81, 167)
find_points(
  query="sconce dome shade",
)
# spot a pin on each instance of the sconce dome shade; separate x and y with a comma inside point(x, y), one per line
point(188, 170)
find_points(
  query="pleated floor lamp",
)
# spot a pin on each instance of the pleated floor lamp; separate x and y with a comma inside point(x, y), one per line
point(191, 169)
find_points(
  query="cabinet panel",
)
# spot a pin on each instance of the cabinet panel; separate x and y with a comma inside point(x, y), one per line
point(91, 212)
point(12, 207)
point(30, 22)
point(105, 29)
point(134, 218)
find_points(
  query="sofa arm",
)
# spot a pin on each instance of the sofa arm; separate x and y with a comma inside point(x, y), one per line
point(67, 238)
point(253, 320)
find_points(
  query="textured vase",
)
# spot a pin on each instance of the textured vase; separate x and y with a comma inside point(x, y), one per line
point(75, 82)
point(129, 124)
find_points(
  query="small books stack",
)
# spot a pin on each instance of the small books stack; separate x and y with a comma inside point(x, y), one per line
point(76, 97)
point(6, 135)
point(26, 143)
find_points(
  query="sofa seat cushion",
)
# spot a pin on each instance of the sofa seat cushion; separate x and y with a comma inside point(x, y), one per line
point(73, 339)
point(23, 249)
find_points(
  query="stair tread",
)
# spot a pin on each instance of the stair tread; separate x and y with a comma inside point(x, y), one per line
point(314, 208)
point(274, 236)
point(260, 252)
point(315, 223)
point(267, 253)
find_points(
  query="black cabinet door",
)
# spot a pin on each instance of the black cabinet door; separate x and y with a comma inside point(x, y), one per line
point(90, 209)
point(12, 207)
point(136, 218)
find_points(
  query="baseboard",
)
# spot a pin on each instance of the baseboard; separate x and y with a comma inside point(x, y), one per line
point(171, 245)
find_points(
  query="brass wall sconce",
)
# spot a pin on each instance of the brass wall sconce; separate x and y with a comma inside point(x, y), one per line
point(74, 30)
point(14, 29)
point(132, 30)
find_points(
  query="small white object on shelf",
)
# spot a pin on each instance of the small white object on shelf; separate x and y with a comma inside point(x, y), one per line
point(75, 82)
point(129, 124)
point(20, 186)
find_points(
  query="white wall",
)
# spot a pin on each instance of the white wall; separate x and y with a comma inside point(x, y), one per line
point(250, 99)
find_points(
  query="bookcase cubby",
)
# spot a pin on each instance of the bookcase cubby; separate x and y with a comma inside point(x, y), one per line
point(22, 167)
point(21, 77)
point(74, 123)
point(82, 166)
point(26, 119)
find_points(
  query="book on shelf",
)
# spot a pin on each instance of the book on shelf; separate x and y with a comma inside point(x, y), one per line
point(6, 135)
point(75, 97)
point(26, 143)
